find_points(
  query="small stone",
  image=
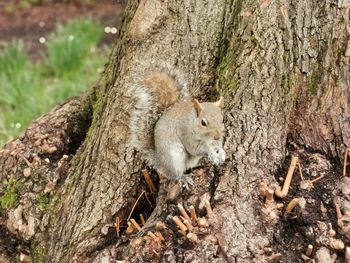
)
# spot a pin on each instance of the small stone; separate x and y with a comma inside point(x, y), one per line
point(337, 244)
point(302, 202)
point(323, 255)
point(105, 259)
point(198, 172)
point(160, 226)
point(202, 222)
point(50, 187)
point(5, 153)
point(104, 230)
point(27, 172)
point(136, 242)
point(48, 149)
point(192, 237)
point(345, 186)
point(24, 258)
point(174, 191)
point(332, 232)
point(212, 239)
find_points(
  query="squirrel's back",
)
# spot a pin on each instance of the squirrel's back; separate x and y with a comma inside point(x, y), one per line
point(153, 92)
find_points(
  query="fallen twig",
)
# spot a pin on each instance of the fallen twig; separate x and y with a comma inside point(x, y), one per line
point(148, 201)
point(345, 161)
point(136, 202)
point(274, 256)
point(300, 172)
point(318, 178)
point(306, 258)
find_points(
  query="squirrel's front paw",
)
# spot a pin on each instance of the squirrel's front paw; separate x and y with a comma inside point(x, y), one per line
point(217, 155)
point(221, 154)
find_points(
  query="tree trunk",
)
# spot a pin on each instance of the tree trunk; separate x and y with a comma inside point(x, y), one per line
point(283, 68)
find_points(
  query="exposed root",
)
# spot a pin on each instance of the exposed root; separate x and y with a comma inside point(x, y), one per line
point(149, 181)
point(309, 250)
point(283, 193)
point(181, 225)
point(136, 225)
point(294, 202)
point(193, 213)
point(117, 226)
point(183, 212)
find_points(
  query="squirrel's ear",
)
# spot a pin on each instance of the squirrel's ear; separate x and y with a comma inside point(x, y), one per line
point(197, 106)
point(220, 102)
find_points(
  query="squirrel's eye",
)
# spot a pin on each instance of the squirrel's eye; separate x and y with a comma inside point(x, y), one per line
point(203, 123)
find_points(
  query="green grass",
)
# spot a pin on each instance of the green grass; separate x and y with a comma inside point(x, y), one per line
point(70, 44)
point(27, 90)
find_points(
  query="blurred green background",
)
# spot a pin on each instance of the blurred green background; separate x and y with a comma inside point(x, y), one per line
point(69, 58)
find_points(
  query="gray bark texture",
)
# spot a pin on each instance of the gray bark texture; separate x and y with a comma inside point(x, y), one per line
point(283, 69)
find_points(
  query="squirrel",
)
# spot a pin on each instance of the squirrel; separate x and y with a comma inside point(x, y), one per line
point(174, 131)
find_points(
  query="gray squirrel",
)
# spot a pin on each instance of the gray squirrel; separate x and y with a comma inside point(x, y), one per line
point(186, 130)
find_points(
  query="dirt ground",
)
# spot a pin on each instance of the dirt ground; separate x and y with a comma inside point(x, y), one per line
point(314, 221)
point(31, 23)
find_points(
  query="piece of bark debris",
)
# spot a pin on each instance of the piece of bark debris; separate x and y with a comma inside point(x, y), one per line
point(27, 172)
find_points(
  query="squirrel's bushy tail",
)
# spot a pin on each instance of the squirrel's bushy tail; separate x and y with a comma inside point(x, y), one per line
point(152, 92)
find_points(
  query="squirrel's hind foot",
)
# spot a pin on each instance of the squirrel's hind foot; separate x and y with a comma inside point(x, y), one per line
point(186, 181)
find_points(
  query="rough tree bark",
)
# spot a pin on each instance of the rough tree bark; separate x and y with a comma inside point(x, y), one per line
point(283, 67)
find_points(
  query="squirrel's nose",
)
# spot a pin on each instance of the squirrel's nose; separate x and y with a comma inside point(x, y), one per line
point(216, 135)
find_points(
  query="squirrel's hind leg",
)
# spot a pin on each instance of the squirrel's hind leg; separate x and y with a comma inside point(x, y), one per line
point(192, 161)
point(173, 164)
